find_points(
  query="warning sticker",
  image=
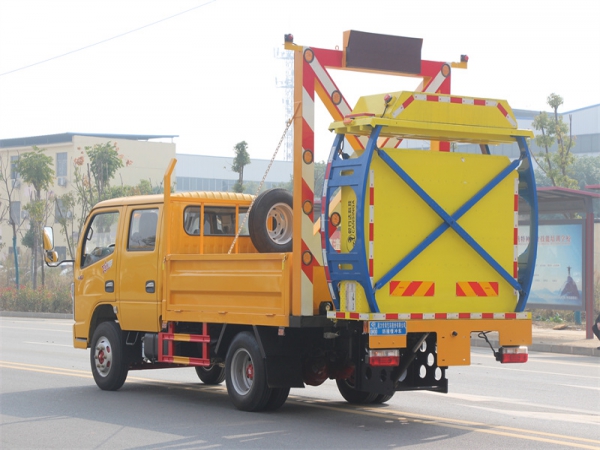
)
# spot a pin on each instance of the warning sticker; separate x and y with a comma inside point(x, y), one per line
point(377, 328)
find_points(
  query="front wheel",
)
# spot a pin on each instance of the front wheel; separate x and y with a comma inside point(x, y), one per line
point(107, 357)
point(214, 374)
point(245, 374)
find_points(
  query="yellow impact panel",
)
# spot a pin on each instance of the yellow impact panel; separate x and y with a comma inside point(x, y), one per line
point(402, 220)
point(436, 117)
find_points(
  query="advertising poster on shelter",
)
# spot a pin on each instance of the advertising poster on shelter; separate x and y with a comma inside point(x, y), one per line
point(558, 277)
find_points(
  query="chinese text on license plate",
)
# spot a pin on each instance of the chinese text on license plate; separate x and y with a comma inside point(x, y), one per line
point(387, 328)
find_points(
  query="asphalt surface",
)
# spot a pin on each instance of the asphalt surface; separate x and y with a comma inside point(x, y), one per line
point(568, 341)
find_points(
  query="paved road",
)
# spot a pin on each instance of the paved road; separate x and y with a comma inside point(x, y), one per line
point(48, 400)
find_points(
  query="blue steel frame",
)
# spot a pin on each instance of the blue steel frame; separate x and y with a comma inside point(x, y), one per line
point(353, 265)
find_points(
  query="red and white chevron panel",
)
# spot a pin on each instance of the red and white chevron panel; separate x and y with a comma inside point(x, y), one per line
point(428, 316)
point(459, 100)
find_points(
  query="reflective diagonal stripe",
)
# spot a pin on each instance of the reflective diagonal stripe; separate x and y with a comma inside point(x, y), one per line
point(412, 288)
point(477, 289)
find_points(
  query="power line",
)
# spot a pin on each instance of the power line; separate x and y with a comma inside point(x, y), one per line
point(108, 39)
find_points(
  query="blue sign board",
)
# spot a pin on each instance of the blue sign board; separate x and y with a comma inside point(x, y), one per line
point(387, 328)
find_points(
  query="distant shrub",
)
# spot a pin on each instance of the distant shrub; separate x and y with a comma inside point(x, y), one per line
point(26, 299)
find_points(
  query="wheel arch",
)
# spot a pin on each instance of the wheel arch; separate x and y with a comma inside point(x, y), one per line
point(102, 313)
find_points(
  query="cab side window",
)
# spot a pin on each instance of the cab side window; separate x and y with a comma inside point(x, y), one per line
point(217, 221)
point(142, 230)
point(100, 237)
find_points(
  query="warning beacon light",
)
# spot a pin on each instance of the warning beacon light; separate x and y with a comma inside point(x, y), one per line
point(464, 58)
point(289, 38)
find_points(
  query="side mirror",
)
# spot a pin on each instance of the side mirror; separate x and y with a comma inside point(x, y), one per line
point(50, 256)
point(48, 239)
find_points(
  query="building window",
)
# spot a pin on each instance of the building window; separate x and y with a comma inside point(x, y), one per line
point(13, 167)
point(61, 164)
point(60, 212)
point(15, 212)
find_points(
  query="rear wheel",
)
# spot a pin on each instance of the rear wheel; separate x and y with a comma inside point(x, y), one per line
point(107, 357)
point(381, 398)
point(245, 374)
point(277, 398)
point(214, 374)
point(348, 391)
point(270, 222)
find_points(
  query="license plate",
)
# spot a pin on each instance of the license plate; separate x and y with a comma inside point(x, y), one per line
point(387, 328)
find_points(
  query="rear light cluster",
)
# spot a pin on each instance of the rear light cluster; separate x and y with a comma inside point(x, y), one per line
point(512, 355)
point(384, 358)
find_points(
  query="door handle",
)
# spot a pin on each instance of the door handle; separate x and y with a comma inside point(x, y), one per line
point(109, 286)
point(150, 287)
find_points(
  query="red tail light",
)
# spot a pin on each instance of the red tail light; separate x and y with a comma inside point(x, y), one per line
point(384, 358)
point(512, 355)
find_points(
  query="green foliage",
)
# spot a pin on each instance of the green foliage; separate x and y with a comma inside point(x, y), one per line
point(587, 170)
point(28, 238)
point(241, 159)
point(27, 299)
point(556, 167)
point(34, 168)
point(238, 187)
point(104, 163)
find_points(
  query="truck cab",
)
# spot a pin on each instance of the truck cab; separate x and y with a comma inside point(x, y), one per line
point(119, 260)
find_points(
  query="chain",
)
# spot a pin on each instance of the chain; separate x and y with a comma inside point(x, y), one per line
point(262, 182)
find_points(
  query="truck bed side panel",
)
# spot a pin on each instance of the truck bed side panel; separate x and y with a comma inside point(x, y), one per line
point(244, 288)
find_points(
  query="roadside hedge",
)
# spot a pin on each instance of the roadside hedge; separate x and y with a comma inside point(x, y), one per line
point(26, 299)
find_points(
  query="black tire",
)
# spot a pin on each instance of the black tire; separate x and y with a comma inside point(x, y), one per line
point(277, 398)
point(214, 374)
point(107, 357)
point(271, 222)
point(245, 374)
point(381, 398)
point(351, 395)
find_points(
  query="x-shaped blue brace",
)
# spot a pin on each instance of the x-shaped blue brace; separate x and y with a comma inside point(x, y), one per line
point(450, 221)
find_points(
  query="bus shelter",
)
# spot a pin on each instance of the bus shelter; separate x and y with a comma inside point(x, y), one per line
point(564, 276)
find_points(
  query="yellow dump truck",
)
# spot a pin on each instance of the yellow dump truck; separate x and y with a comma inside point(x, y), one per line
point(418, 252)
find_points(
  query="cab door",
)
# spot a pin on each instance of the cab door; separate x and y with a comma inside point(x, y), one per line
point(96, 268)
point(138, 293)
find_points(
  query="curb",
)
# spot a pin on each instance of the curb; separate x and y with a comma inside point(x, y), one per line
point(36, 315)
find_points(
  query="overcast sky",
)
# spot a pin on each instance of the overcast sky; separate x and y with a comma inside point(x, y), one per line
point(208, 75)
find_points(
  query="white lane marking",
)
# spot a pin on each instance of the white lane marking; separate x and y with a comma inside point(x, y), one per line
point(582, 387)
point(238, 436)
point(543, 372)
point(513, 401)
point(589, 418)
point(47, 343)
point(37, 329)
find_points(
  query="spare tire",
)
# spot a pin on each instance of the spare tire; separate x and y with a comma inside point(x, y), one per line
point(271, 220)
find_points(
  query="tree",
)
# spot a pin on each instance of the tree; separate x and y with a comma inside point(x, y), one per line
point(35, 169)
point(6, 212)
point(92, 178)
point(242, 158)
point(104, 163)
point(587, 170)
point(557, 166)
